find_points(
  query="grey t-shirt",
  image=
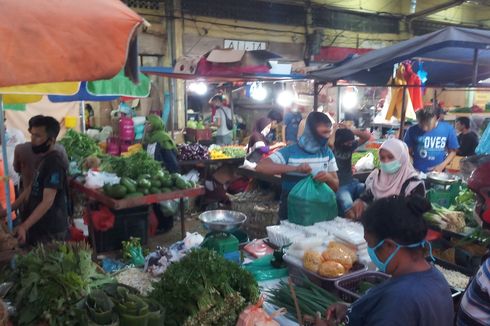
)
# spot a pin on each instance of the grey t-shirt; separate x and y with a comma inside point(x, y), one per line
point(220, 114)
point(344, 162)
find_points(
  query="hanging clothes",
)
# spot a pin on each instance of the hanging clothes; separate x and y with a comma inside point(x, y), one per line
point(413, 79)
point(396, 104)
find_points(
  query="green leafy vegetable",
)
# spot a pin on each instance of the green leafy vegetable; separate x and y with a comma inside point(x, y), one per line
point(79, 146)
point(132, 166)
point(205, 289)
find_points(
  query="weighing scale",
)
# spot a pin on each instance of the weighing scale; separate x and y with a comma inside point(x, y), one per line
point(443, 188)
point(222, 224)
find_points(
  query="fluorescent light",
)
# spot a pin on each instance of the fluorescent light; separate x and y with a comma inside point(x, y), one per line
point(258, 92)
point(199, 88)
point(285, 98)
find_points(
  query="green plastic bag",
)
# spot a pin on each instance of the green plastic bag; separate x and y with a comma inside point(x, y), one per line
point(310, 202)
point(262, 270)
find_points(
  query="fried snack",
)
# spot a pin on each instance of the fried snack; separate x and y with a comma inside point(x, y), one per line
point(312, 260)
point(331, 269)
point(345, 248)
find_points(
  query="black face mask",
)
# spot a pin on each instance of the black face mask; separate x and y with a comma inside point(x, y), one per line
point(41, 149)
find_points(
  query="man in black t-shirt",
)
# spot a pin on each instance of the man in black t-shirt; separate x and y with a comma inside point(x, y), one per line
point(343, 144)
point(468, 140)
point(45, 201)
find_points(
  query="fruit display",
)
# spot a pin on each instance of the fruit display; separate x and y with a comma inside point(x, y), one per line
point(217, 152)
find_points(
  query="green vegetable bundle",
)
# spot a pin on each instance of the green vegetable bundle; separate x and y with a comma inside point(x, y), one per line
point(131, 166)
point(205, 289)
point(445, 218)
point(311, 298)
point(465, 202)
point(79, 146)
point(50, 279)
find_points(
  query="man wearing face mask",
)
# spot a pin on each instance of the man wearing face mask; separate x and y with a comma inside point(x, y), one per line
point(396, 176)
point(26, 161)
point(45, 201)
point(475, 305)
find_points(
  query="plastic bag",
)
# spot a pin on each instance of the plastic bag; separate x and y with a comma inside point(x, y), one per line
point(366, 163)
point(95, 180)
point(310, 202)
point(484, 145)
point(256, 316)
point(262, 270)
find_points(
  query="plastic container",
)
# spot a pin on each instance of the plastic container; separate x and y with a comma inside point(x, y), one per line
point(347, 286)
point(126, 129)
point(297, 272)
point(131, 222)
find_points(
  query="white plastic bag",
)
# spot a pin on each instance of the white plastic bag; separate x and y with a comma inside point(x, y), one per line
point(96, 180)
point(366, 163)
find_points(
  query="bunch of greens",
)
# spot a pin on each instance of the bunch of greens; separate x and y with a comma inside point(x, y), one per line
point(465, 202)
point(50, 279)
point(79, 146)
point(311, 298)
point(132, 166)
point(205, 289)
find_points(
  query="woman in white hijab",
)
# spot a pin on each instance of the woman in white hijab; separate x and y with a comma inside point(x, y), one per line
point(396, 176)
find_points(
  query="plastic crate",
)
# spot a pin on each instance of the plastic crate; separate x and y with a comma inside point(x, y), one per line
point(131, 222)
point(347, 286)
point(297, 273)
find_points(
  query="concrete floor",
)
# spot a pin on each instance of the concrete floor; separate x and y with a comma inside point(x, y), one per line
point(192, 224)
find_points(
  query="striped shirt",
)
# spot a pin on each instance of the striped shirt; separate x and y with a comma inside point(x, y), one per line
point(295, 156)
point(475, 306)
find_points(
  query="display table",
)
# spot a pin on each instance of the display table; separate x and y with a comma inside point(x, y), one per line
point(128, 203)
point(205, 165)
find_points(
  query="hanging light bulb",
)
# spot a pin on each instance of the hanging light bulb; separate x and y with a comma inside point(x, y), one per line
point(349, 98)
point(285, 98)
point(198, 88)
point(258, 92)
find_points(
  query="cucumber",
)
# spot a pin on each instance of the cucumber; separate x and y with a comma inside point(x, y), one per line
point(156, 183)
point(154, 190)
point(117, 191)
point(164, 190)
point(134, 194)
point(144, 183)
point(129, 184)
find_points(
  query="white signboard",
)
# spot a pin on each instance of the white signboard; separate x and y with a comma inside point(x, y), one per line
point(245, 45)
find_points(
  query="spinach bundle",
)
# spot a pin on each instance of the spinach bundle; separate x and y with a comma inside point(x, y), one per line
point(133, 166)
point(79, 146)
point(51, 279)
point(205, 289)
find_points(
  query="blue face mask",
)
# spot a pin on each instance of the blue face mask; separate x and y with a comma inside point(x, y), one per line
point(390, 167)
point(383, 266)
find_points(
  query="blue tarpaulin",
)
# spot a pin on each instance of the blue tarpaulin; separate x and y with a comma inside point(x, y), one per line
point(448, 56)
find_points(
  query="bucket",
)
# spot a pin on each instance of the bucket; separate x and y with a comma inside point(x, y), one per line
point(70, 122)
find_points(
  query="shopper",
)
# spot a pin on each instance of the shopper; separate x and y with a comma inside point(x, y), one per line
point(292, 119)
point(223, 119)
point(475, 305)
point(310, 155)
point(431, 142)
point(276, 117)
point(258, 144)
point(26, 161)
point(417, 293)
point(161, 147)
point(396, 176)
point(467, 139)
point(13, 137)
point(344, 143)
point(46, 201)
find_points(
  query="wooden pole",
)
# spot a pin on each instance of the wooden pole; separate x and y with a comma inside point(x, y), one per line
point(404, 109)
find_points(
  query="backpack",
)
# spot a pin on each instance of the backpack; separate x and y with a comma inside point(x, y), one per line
point(229, 122)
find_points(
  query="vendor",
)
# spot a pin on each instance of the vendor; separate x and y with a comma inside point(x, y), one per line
point(468, 140)
point(343, 144)
point(475, 305)
point(46, 201)
point(258, 144)
point(417, 293)
point(396, 176)
point(432, 143)
point(290, 128)
point(161, 147)
point(310, 155)
point(275, 116)
point(223, 119)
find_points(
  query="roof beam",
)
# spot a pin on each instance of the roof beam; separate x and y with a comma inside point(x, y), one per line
point(435, 9)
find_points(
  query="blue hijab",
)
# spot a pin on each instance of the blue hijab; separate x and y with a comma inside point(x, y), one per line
point(310, 141)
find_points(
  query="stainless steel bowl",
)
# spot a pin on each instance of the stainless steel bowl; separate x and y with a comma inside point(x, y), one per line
point(442, 178)
point(222, 220)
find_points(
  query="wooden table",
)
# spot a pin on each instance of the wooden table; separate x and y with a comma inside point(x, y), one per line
point(115, 204)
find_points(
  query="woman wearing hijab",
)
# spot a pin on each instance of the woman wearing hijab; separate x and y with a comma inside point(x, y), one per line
point(396, 176)
point(310, 155)
point(161, 147)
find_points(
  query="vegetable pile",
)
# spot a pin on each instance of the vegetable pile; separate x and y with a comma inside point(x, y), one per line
point(79, 146)
point(192, 152)
point(49, 280)
point(132, 166)
point(311, 298)
point(233, 151)
point(205, 289)
point(446, 219)
point(465, 202)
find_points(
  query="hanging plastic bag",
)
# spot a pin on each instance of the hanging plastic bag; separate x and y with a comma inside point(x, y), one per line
point(310, 202)
point(254, 315)
point(484, 145)
point(366, 163)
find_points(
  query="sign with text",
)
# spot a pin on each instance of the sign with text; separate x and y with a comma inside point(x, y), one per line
point(244, 45)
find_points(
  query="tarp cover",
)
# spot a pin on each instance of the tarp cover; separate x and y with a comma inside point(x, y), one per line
point(447, 56)
point(70, 40)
